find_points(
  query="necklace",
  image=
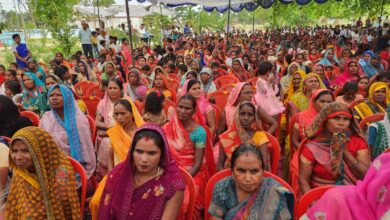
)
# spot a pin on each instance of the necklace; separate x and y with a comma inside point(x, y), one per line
point(136, 180)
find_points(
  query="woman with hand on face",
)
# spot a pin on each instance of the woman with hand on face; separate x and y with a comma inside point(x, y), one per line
point(148, 178)
point(69, 127)
point(247, 194)
point(43, 184)
point(335, 152)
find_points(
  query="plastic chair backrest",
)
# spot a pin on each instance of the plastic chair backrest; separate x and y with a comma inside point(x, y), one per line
point(228, 87)
point(274, 149)
point(91, 102)
point(227, 172)
point(291, 124)
point(355, 103)
point(220, 97)
point(92, 125)
point(81, 87)
point(83, 177)
point(310, 197)
point(32, 116)
point(225, 80)
point(191, 187)
point(252, 81)
point(95, 91)
point(370, 119)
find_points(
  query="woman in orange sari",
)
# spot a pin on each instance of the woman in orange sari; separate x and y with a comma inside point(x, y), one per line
point(246, 129)
point(128, 120)
point(189, 146)
point(239, 71)
point(160, 84)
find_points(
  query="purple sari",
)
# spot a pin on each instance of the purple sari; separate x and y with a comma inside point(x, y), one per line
point(122, 200)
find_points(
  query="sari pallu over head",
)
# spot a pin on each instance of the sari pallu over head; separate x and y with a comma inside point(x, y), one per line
point(285, 80)
point(119, 139)
point(290, 90)
point(230, 107)
point(116, 201)
point(329, 153)
point(370, 106)
point(346, 76)
point(325, 61)
point(50, 192)
point(70, 121)
point(29, 96)
point(137, 92)
point(367, 67)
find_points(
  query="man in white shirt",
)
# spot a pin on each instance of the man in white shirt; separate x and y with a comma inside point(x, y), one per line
point(85, 37)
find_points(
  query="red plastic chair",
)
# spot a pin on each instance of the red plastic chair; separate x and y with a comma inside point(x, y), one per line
point(220, 97)
point(32, 116)
point(291, 124)
point(310, 197)
point(83, 176)
point(95, 91)
point(225, 80)
point(191, 187)
point(91, 102)
point(228, 87)
point(252, 81)
point(274, 149)
point(81, 87)
point(227, 172)
point(167, 104)
point(92, 125)
point(370, 119)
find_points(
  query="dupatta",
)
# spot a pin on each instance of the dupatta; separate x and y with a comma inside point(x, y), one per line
point(230, 107)
point(346, 76)
point(50, 192)
point(370, 106)
point(29, 96)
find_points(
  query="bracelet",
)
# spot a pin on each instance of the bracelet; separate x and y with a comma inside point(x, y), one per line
point(355, 165)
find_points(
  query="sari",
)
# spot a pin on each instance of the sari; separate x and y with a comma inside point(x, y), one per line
point(106, 76)
point(122, 199)
point(270, 201)
point(230, 107)
point(210, 86)
point(73, 134)
point(324, 77)
point(285, 80)
point(34, 99)
point(326, 156)
point(368, 69)
point(120, 142)
point(89, 74)
point(326, 62)
point(370, 106)
point(243, 75)
point(369, 199)
point(50, 192)
point(237, 135)
point(182, 147)
point(379, 134)
point(290, 89)
point(137, 92)
point(346, 76)
point(167, 93)
point(299, 101)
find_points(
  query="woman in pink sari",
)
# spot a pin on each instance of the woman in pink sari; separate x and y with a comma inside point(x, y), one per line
point(148, 179)
point(351, 74)
point(369, 199)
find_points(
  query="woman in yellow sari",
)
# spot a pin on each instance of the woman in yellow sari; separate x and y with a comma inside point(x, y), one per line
point(246, 129)
point(128, 120)
point(378, 99)
point(294, 85)
point(43, 184)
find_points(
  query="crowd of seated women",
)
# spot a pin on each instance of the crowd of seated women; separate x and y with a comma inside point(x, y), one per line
point(198, 108)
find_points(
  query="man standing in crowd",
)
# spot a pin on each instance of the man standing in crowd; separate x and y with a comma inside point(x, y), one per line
point(85, 37)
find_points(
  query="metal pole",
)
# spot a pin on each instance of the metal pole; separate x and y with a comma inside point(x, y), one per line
point(130, 34)
point(228, 24)
point(383, 3)
point(17, 16)
point(253, 22)
point(200, 22)
point(97, 4)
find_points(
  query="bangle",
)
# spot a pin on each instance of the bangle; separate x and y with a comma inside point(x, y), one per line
point(355, 165)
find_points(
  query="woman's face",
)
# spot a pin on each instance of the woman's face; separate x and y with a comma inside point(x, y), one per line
point(322, 101)
point(32, 65)
point(185, 110)
point(2, 70)
point(122, 115)
point(151, 61)
point(312, 84)
point(246, 94)
point(84, 58)
point(339, 123)
point(21, 156)
point(19, 74)
point(81, 67)
point(28, 82)
point(49, 82)
point(188, 59)
point(366, 57)
point(353, 68)
point(245, 60)
point(146, 156)
point(194, 90)
point(293, 68)
point(158, 81)
point(236, 66)
point(194, 66)
point(205, 78)
point(114, 91)
point(319, 70)
point(297, 78)
point(363, 83)
point(330, 55)
point(8, 76)
point(144, 50)
point(109, 68)
point(56, 101)
point(133, 79)
point(190, 77)
point(247, 172)
point(380, 96)
point(247, 116)
point(141, 62)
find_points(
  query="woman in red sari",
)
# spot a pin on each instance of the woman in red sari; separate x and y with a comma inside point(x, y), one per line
point(238, 71)
point(335, 152)
point(188, 145)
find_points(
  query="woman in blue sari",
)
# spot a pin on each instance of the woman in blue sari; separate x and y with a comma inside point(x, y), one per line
point(247, 194)
point(33, 96)
point(330, 58)
point(365, 63)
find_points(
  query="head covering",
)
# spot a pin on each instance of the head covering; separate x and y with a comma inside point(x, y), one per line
point(309, 76)
point(292, 64)
point(210, 84)
point(69, 123)
point(118, 193)
point(346, 76)
point(105, 75)
point(29, 97)
point(378, 86)
point(328, 111)
point(366, 65)
point(325, 61)
point(230, 107)
point(244, 136)
point(49, 193)
point(368, 199)
point(135, 92)
point(290, 90)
